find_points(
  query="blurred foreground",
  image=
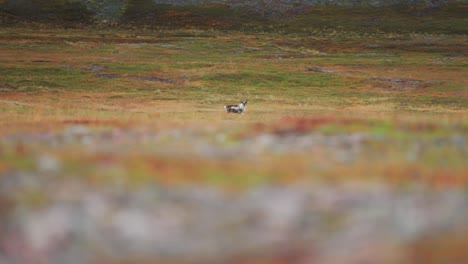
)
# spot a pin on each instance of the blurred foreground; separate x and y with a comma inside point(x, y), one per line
point(68, 197)
point(114, 146)
point(370, 223)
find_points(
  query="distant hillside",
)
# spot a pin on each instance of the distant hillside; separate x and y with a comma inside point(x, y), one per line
point(429, 16)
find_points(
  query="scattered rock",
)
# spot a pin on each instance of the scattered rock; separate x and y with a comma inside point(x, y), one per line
point(318, 69)
point(96, 68)
point(108, 76)
point(7, 86)
point(398, 84)
point(374, 54)
point(442, 59)
point(171, 46)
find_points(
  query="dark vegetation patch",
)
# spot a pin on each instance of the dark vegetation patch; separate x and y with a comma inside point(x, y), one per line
point(41, 61)
point(50, 10)
point(140, 78)
point(152, 79)
point(109, 37)
point(108, 75)
point(437, 45)
point(449, 18)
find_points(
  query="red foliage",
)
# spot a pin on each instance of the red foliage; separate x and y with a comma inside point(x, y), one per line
point(20, 149)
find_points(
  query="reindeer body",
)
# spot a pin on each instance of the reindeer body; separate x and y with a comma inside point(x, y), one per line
point(238, 109)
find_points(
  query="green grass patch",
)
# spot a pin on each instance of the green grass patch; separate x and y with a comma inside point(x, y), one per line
point(271, 80)
point(30, 78)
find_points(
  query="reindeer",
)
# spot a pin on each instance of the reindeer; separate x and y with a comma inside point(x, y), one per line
point(239, 109)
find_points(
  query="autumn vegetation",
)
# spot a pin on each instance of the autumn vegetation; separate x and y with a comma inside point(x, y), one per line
point(337, 96)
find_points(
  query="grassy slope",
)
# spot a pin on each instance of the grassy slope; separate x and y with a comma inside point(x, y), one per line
point(402, 71)
point(269, 68)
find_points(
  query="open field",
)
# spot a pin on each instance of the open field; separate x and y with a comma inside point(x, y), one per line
point(115, 148)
